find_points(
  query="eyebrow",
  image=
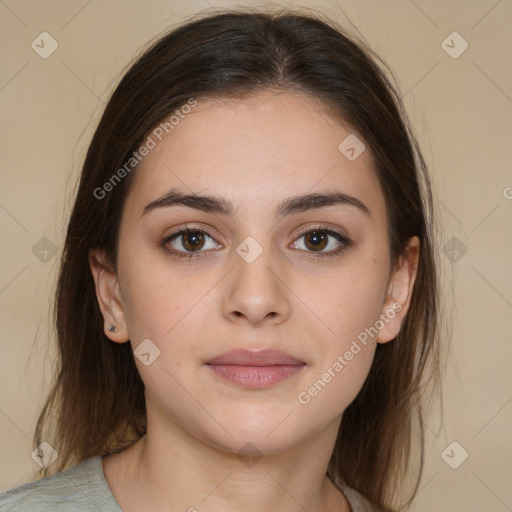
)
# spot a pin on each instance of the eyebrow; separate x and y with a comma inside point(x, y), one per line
point(222, 206)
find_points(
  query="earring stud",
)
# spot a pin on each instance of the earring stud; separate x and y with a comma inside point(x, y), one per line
point(112, 328)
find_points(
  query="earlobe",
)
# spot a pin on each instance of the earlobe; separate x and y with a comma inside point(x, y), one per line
point(108, 296)
point(399, 292)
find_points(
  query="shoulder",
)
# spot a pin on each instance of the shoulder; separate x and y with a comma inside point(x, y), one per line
point(82, 487)
point(357, 502)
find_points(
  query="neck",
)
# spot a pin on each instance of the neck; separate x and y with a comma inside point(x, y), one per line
point(168, 466)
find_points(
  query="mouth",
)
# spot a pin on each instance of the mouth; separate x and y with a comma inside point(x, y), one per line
point(255, 370)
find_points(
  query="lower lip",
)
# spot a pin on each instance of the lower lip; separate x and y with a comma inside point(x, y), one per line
point(256, 377)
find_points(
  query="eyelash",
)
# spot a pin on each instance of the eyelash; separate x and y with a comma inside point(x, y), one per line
point(345, 242)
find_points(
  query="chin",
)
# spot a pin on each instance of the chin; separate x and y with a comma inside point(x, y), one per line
point(256, 432)
point(254, 444)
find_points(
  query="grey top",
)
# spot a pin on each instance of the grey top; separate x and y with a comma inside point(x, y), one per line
point(83, 487)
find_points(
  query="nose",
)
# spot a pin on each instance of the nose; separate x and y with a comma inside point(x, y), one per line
point(256, 292)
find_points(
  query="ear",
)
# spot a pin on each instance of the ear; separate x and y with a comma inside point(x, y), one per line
point(109, 296)
point(399, 292)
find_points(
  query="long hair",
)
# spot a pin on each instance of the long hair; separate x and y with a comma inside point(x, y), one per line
point(96, 404)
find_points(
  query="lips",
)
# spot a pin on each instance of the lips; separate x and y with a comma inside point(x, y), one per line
point(244, 357)
point(255, 370)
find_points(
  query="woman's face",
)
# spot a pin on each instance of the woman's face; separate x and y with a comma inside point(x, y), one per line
point(254, 282)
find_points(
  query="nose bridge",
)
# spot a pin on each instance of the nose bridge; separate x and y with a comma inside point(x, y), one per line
point(256, 239)
point(256, 290)
point(255, 264)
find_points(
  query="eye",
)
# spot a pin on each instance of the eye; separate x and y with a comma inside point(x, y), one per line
point(319, 238)
point(187, 241)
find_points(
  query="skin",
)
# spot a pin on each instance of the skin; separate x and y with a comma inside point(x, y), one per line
point(255, 153)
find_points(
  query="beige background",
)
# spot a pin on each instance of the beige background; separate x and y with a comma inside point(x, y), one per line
point(461, 109)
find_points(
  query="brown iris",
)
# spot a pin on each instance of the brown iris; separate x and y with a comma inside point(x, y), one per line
point(318, 238)
point(193, 240)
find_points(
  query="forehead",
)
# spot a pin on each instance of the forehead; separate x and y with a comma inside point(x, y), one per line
point(257, 151)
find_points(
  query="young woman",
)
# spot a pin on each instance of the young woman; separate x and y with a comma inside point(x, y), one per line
point(247, 300)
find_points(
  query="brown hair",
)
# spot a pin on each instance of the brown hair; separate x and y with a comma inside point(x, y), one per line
point(96, 404)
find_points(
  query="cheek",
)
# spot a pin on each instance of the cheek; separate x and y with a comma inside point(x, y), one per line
point(344, 355)
point(349, 306)
point(172, 309)
point(348, 300)
point(334, 388)
point(155, 295)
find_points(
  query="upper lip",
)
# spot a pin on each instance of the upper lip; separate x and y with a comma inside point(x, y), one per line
point(245, 357)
